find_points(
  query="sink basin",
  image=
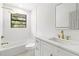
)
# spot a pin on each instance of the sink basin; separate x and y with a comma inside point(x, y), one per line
point(64, 41)
point(58, 40)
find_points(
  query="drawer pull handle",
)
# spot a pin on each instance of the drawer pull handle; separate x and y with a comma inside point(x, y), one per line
point(51, 54)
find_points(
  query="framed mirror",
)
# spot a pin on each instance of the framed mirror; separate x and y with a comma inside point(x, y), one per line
point(66, 16)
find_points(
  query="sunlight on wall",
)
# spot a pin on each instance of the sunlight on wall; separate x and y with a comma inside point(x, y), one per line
point(18, 11)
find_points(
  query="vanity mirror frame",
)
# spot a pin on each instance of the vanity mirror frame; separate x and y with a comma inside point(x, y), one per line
point(69, 20)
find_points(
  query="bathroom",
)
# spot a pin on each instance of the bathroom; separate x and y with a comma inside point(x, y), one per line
point(42, 32)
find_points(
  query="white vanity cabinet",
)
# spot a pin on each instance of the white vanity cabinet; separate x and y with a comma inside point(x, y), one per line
point(47, 49)
point(44, 48)
point(63, 52)
point(38, 48)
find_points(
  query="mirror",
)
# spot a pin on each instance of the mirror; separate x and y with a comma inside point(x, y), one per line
point(66, 16)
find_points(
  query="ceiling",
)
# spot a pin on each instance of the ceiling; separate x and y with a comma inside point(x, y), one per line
point(28, 6)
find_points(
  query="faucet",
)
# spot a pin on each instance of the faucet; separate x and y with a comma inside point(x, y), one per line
point(61, 35)
point(4, 43)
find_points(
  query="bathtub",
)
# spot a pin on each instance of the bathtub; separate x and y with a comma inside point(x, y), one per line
point(13, 50)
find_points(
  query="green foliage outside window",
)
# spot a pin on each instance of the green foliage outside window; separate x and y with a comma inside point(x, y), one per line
point(18, 20)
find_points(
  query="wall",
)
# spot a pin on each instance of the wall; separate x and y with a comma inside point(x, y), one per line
point(42, 16)
point(46, 22)
point(16, 35)
point(1, 22)
point(42, 24)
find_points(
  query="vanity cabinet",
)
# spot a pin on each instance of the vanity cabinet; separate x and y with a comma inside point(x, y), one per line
point(63, 52)
point(44, 48)
point(47, 49)
point(38, 48)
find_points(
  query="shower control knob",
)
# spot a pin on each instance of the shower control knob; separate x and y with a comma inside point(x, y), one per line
point(2, 37)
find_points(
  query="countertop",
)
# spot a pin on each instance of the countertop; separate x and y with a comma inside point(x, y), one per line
point(69, 45)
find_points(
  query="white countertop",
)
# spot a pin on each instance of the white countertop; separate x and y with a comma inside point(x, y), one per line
point(69, 45)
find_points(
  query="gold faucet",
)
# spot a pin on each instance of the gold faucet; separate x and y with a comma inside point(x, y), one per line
point(62, 34)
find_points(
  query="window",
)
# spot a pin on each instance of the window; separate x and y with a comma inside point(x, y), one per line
point(18, 20)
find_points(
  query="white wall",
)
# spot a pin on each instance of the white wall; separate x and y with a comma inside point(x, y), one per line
point(42, 24)
point(1, 19)
point(1, 22)
point(33, 21)
point(46, 22)
point(16, 35)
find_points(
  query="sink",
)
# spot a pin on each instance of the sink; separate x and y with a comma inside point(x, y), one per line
point(64, 41)
point(60, 40)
